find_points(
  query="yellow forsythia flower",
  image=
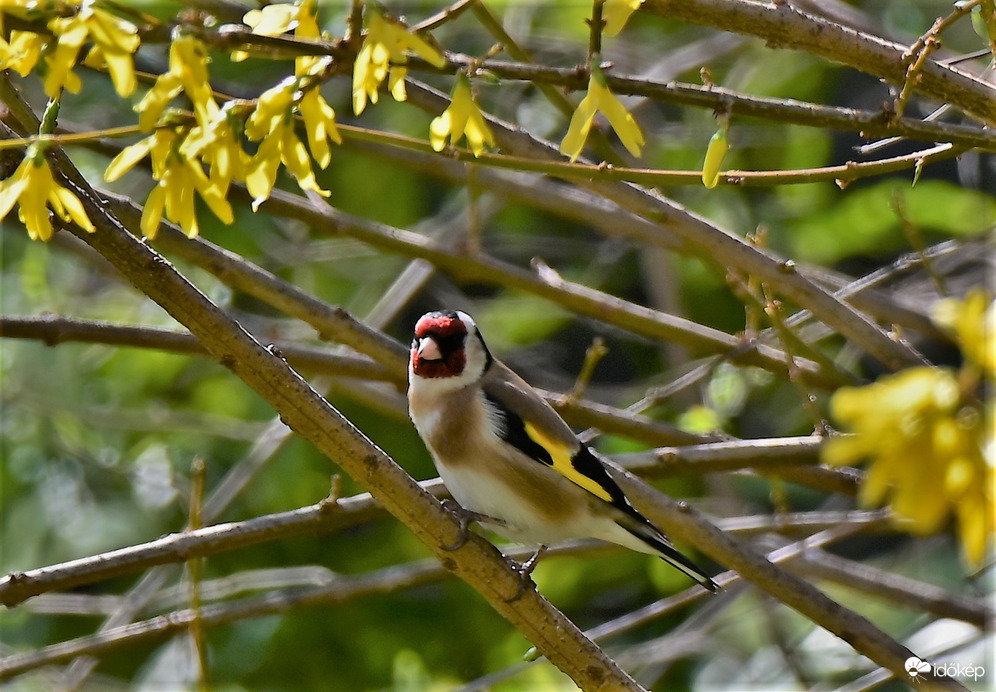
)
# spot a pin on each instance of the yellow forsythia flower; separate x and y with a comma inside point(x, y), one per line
point(188, 72)
point(383, 54)
point(318, 115)
point(276, 19)
point(115, 40)
point(22, 53)
point(179, 176)
point(463, 117)
point(718, 146)
point(33, 186)
point(219, 144)
point(925, 448)
point(972, 321)
point(616, 13)
point(600, 99)
point(273, 123)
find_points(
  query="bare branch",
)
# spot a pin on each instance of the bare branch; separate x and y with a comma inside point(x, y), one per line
point(55, 329)
point(305, 411)
point(896, 588)
point(784, 26)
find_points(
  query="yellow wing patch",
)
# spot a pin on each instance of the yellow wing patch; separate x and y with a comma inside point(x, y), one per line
point(563, 462)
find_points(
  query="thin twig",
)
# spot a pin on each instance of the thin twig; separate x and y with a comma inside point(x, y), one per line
point(920, 51)
point(896, 588)
point(194, 574)
point(57, 329)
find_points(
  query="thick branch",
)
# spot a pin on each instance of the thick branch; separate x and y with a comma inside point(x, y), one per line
point(784, 26)
point(305, 411)
point(575, 297)
point(896, 588)
point(678, 519)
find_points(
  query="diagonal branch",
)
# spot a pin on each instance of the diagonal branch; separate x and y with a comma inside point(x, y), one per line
point(784, 26)
point(702, 238)
point(477, 562)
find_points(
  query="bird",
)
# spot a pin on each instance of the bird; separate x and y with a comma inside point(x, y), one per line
point(508, 458)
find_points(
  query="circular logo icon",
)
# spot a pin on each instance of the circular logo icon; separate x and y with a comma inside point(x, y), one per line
point(914, 666)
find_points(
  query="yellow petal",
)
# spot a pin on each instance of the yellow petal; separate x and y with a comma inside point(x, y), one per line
point(478, 133)
point(425, 50)
point(127, 158)
point(295, 158)
point(262, 171)
point(439, 131)
point(73, 208)
point(12, 187)
point(35, 219)
point(71, 33)
point(975, 529)
point(622, 121)
point(122, 71)
point(154, 102)
point(616, 13)
point(396, 84)
point(209, 192)
point(113, 34)
point(319, 122)
point(272, 20)
point(577, 133)
point(152, 214)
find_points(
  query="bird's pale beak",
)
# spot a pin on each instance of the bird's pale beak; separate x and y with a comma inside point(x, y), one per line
point(428, 349)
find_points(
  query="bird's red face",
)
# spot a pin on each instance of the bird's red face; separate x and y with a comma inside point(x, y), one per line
point(439, 348)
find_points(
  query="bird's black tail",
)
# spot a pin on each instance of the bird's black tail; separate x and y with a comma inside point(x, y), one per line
point(649, 534)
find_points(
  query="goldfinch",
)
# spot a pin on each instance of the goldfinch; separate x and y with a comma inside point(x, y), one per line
point(507, 457)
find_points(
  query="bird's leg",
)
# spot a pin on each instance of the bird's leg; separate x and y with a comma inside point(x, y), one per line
point(465, 517)
point(525, 569)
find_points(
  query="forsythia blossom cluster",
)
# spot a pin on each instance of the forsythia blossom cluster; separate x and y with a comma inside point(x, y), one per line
point(383, 55)
point(928, 442)
point(272, 123)
point(176, 152)
point(179, 175)
point(204, 156)
point(179, 154)
point(114, 41)
point(34, 187)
